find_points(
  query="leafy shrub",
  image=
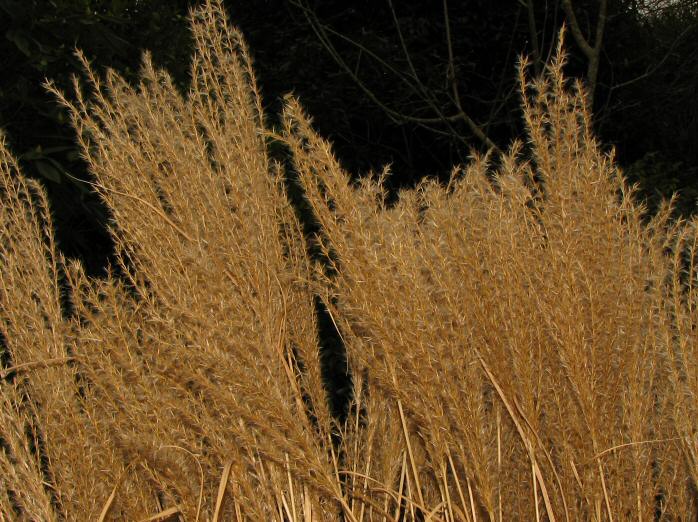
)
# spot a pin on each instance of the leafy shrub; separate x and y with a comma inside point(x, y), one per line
point(522, 343)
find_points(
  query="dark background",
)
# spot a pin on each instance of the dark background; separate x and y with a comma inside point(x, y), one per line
point(374, 107)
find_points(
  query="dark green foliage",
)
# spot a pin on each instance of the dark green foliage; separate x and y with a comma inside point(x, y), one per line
point(650, 107)
point(38, 39)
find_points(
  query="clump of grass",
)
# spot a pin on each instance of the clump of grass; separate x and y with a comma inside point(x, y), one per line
point(513, 326)
point(184, 390)
point(521, 340)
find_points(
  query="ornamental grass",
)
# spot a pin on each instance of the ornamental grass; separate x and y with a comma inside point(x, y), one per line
point(521, 340)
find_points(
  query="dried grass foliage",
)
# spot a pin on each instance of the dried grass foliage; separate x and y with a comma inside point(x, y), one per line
point(522, 340)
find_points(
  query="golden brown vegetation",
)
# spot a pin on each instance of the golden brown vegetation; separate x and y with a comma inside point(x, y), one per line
point(522, 341)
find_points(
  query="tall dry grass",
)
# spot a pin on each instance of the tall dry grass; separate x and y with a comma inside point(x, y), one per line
point(522, 340)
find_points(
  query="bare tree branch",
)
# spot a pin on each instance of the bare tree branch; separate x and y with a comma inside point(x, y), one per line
point(591, 50)
point(533, 34)
point(651, 70)
point(412, 80)
point(451, 70)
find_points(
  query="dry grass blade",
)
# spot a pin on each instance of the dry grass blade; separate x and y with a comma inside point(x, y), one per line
point(221, 490)
point(164, 515)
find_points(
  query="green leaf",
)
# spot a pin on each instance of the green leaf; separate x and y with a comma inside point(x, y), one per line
point(20, 42)
point(48, 171)
point(33, 154)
